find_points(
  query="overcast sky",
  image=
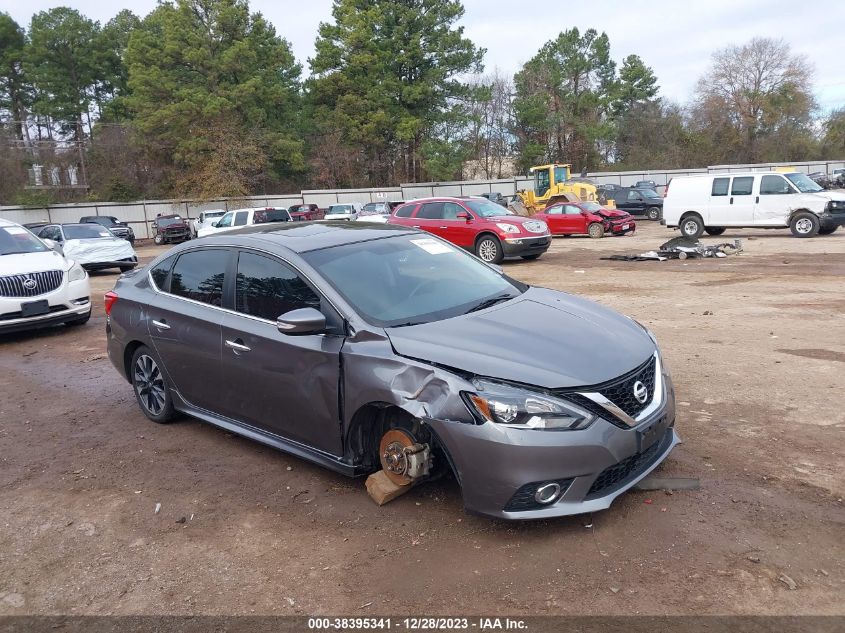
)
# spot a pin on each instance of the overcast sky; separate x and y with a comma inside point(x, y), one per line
point(675, 38)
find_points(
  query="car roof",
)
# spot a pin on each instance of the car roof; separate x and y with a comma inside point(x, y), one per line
point(301, 237)
point(8, 223)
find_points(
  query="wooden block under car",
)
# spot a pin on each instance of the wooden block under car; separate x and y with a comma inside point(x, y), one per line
point(382, 490)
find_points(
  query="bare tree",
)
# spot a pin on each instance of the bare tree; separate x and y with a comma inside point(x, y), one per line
point(755, 92)
point(489, 131)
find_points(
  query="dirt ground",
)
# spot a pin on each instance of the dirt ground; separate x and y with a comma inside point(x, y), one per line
point(757, 347)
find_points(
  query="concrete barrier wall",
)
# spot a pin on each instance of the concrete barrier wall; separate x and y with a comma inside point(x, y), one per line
point(139, 214)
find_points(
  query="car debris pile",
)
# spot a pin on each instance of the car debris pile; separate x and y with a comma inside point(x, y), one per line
point(683, 248)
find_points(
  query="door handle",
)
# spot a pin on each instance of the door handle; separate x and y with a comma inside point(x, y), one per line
point(757, 200)
point(161, 325)
point(237, 347)
point(444, 227)
point(415, 226)
point(732, 199)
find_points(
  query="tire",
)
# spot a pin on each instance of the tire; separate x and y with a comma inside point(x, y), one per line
point(714, 230)
point(827, 230)
point(150, 386)
point(595, 230)
point(158, 240)
point(531, 258)
point(79, 321)
point(692, 226)
point(489, 249)
point(653, 213)
point(804, 224)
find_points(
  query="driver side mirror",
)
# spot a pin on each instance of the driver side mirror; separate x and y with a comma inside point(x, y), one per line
point(214, 224)
point(463, 215)
point(53, 245)
point(302, 321)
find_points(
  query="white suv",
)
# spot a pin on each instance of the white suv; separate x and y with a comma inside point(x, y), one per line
point(769, 200)
point(38, 286)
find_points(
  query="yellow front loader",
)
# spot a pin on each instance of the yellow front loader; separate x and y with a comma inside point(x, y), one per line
point(553, 183)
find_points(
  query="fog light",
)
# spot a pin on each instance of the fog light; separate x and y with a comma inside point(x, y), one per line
point(547, 493)
point(80, 302)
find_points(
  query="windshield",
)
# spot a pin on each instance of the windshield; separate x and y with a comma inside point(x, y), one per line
point(649, 193)
point(85, 232)
point(16, 239)
point(487, 209)
point(214, 214)
point(168, 221)
point(804, 184)
point(419, 279)
point(591, 206)
point(337, 209)
point(105, 221)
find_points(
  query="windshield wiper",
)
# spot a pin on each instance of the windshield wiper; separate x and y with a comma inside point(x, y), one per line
point(490, 302)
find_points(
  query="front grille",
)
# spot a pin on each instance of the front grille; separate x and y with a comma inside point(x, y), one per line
point(621, 393)
point(30, 284)
point(535, 226)
point(523, 499)
point(619, 474)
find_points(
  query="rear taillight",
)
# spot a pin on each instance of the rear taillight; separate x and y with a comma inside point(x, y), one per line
point(109, 299)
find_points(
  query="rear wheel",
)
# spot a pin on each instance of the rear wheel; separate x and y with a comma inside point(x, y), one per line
point(653, 213)
point(714, 230)
point(692, 226)
point(827, 230)
point(804, 224)
point(150, 386)
point(595, 230)
point(489, 249)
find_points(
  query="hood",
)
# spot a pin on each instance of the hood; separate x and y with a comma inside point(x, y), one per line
point(21, 263)
point(544, 338)
point(829, 195)
point(613, 213)
point(97, 250)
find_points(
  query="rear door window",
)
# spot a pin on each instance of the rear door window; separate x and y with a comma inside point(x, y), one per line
point(266, 288)
point(720, 186)
point(431, 211)
point(199, 275)
point(742, 185)
point(405, 211)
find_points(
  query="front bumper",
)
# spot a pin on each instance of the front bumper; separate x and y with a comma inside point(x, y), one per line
point(69, 302)
point(829, 220)
point(117, 263)
point(617, 229)
point(495, 464)
point(520, 246)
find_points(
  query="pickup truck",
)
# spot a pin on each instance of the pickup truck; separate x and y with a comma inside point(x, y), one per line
point(246, 217)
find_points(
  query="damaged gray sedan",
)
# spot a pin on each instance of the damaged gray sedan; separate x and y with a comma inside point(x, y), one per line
point(363, 347)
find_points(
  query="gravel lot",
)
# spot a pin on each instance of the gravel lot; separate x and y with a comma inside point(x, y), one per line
point(757, 349)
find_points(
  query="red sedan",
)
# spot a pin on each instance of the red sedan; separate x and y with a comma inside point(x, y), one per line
point(586, 218)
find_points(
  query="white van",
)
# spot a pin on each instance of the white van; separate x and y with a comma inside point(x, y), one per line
point(769, 200)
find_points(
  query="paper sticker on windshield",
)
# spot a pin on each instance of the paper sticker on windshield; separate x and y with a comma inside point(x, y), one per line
point(15, 230)
point(104, 233)
point(432, 246)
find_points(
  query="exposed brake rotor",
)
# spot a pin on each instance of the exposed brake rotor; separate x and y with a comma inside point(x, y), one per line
point(401, 457)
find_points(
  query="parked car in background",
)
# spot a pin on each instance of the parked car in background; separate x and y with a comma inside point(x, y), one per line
point(495, 196)
point(92, 246)
point(605, 192)
point(645, 184)
point(821, 179)
point(586, 218)
point(120, 229)
point(646, 202)
point(838, 178)
point(478, 225)
point(38, 285)
point(168, 229)
point(344, 211)
point(304, 212)
point(246, 217)
point(377, 212)
point(367, 347)
point(205, 219)
point(769, 200)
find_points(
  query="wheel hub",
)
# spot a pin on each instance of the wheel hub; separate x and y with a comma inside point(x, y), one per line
point(402, 458)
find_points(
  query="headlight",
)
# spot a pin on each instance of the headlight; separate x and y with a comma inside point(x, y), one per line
point(520, 408)
point(508, 228)
point(76, 273)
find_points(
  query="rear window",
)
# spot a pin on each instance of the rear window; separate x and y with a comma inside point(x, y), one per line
point(199, 275)
point(405, 211)
point(720, 186)
point(271, 215)
point(742, 186)
point(85, 232)
point(339, 209)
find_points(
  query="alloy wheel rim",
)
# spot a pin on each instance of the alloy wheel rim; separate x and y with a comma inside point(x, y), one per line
point(803, 225)
point(487, 250)
point(690, 227)
point(149, 384)
point(594, 231)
